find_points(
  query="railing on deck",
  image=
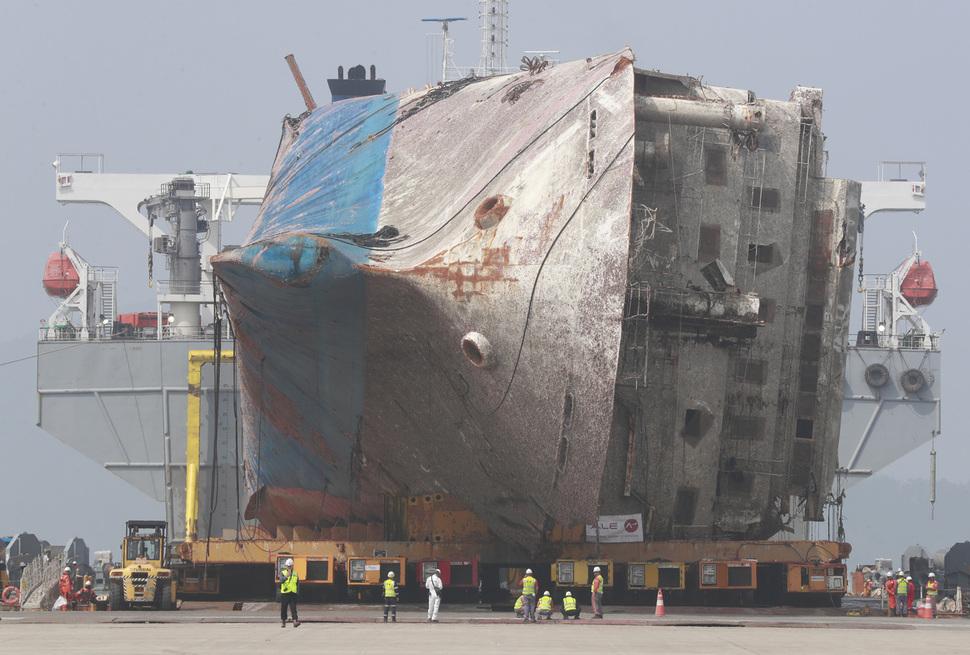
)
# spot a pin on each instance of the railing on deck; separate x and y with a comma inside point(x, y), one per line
point(911, 341)
point(127, 332)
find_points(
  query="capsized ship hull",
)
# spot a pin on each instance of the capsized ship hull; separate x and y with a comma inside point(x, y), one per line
point(491, 289)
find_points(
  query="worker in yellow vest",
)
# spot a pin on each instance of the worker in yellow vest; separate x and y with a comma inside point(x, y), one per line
point(390, 597)
point(288, 591)
point(529, 596)
point(570, 608)
point(596, 593)
point(519, 607)
point(932, 591)
point(902, 589)
point(545, 606)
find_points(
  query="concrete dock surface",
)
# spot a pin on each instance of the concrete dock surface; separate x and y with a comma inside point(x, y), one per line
point(212, 628)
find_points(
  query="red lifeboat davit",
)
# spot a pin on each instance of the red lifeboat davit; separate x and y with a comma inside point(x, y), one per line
point(919, 286)
point(60, 277)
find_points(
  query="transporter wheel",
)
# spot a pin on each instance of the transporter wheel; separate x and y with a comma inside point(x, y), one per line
point(912, 380)
point(164, 596)
point(116, 595)
point(877, 375)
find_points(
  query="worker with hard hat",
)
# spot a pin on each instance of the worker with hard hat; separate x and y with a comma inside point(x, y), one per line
point(529, 586)
point(596, 593)
point(570, 608)
point(434, 586)
point(288, 580)
point(85, 596)
point(910, 593)
point(519, 607)
point(390, 597)
point(545, 606)
point(902, 591)
point(932, 591)
point(891, 593)
point(66, 587)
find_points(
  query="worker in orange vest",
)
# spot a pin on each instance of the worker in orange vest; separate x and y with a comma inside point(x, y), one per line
point(85, 596)
point(891, 594)
point(910, 593)
point(932, 591)
point(66, 587)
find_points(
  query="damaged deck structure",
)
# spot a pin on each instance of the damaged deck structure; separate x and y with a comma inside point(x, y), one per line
point(571, 292)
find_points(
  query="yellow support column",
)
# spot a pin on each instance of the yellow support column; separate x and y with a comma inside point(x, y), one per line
point(197, 358)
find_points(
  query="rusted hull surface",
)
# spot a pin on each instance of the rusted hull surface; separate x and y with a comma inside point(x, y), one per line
point(732, 425)
point(496, 290)
point(493, 215)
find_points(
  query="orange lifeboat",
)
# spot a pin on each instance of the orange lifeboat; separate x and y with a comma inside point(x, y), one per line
point(919, 285)
point(60, 277)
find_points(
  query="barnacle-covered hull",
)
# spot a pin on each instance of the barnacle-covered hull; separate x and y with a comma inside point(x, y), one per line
point(569, 292)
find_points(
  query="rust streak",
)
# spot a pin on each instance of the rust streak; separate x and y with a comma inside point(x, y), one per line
point(468, 275)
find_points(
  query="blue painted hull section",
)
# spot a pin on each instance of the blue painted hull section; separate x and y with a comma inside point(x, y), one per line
point(331, 180)
point(310, 298)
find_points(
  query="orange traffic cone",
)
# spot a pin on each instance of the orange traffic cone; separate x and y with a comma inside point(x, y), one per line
point(660, 603)
point(927, 609)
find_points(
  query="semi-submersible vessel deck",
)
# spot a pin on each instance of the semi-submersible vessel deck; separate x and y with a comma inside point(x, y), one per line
point(582, 312)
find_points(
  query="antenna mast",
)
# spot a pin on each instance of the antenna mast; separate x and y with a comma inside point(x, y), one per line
point(447, 54)
point(494, 16)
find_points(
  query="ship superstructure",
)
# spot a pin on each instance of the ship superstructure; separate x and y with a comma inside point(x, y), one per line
point(893, 384)
point(115, 386)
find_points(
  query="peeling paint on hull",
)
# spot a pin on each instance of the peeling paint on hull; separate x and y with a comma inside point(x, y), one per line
point(450, 291)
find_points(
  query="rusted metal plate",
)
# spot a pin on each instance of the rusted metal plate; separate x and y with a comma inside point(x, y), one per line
point(483, 290)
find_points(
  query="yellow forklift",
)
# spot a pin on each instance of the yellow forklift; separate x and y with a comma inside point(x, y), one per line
point(144, 579)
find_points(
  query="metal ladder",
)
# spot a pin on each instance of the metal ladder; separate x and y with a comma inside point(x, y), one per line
point(107, 278)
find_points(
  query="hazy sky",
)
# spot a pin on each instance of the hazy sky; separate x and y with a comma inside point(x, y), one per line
point(164, 88)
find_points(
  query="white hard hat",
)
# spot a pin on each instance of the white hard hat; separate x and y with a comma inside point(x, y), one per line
point(67, 569)
point(596, 569)
point(390, 574)
point(289, 562)
point(909, 577)
point(438, 571)
point(900, 572)
point(87, 584)
point(546, 594)
point(569, 593)
point(932, 575)
point(528, 571)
